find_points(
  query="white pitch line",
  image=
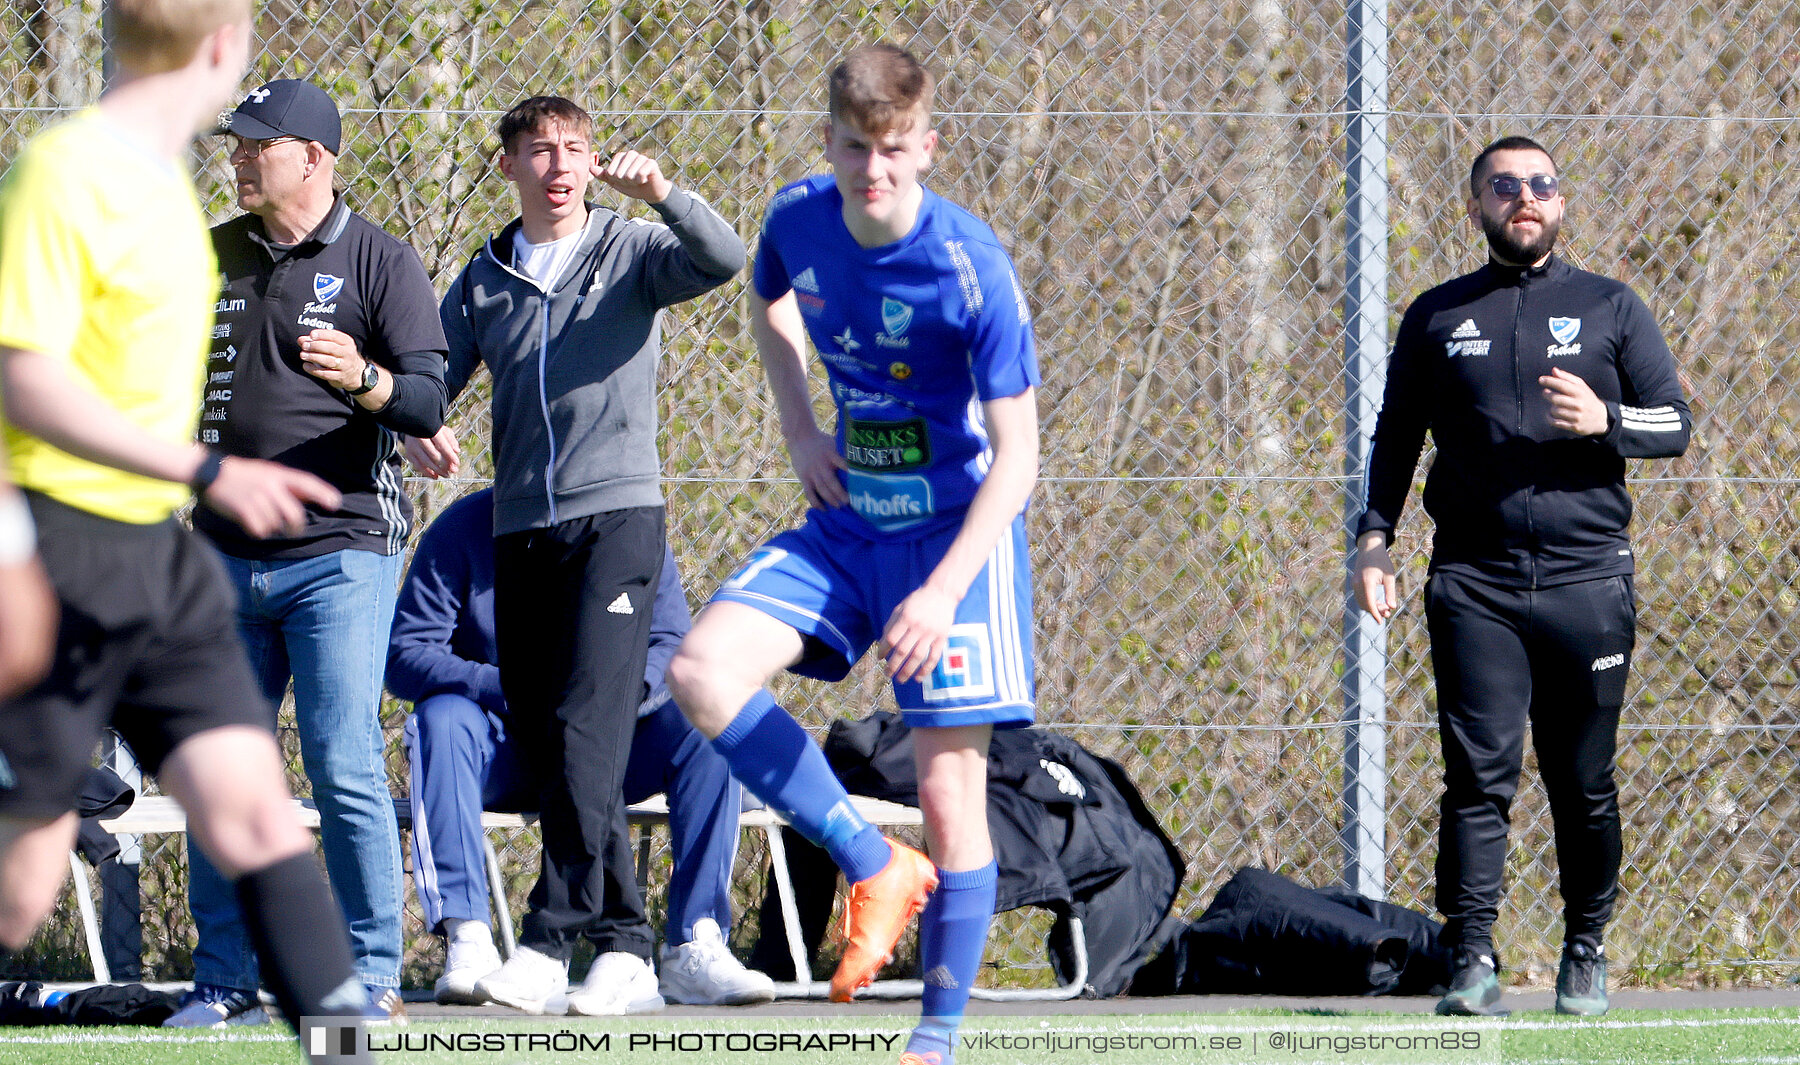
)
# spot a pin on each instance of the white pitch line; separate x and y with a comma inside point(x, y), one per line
point(142, 1037)
point(1290, 1024)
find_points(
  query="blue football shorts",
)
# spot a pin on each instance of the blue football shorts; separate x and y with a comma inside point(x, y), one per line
point(838, 590)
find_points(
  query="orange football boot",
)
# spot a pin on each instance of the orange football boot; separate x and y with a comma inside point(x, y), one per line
point(876, 914)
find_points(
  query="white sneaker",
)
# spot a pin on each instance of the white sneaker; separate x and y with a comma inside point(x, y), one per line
point(618, 983)
point(471, 956)
point(703, 972)
point(529, 981)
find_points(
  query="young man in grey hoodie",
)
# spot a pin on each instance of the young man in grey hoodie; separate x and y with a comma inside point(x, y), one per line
point(563, 306)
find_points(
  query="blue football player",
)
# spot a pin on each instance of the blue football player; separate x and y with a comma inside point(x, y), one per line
point(916, 535)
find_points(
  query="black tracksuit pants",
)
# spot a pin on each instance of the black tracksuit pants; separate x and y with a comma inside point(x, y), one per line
point(1556, 657)
point(572, 606)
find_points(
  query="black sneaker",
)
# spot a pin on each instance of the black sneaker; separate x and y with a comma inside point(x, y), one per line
point(1581, 981)
point(1474, 988)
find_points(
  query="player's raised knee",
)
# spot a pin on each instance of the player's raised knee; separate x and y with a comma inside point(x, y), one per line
point(694, 679)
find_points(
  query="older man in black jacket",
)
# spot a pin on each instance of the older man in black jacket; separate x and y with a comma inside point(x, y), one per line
point(326, 347)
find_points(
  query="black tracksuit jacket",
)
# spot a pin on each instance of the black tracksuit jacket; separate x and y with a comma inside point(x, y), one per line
point(1515, 500)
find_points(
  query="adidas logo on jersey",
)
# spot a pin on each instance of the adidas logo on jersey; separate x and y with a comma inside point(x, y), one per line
point(621, 605)
point(807, 281)
point(1466, 330)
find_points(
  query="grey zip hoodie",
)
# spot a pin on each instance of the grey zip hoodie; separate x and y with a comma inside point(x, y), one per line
point(574, 364)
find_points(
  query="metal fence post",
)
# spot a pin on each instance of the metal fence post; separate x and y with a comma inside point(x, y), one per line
point(1365, 351)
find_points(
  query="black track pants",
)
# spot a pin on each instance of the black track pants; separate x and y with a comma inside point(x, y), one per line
point(572, 607)
point(1556, 657)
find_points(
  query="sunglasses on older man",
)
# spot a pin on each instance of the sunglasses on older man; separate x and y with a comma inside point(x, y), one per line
point(1507, 186)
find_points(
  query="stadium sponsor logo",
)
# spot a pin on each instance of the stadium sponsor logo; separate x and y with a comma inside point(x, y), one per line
point(1467, 330)
point(966, 670)
point(889, 502)
point(1466, 348)
point(1606, 662)
point(885, 446)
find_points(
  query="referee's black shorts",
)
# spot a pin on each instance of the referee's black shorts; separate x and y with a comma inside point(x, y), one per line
point(148, 643)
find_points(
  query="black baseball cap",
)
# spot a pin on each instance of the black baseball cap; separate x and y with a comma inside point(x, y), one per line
point(288, 108)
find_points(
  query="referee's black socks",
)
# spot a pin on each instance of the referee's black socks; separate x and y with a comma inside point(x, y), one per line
point(301, 942)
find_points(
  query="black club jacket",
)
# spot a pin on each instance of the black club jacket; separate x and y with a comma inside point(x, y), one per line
point(1071, 833)
point(1515, 500)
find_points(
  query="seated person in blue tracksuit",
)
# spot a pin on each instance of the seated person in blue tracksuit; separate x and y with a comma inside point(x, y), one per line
point(441, 657)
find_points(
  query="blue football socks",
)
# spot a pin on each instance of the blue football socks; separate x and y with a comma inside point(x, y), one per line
point(953, 934)
point(781, 765)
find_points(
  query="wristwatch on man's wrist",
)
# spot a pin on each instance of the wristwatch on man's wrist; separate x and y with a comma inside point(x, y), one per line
point(369, 381)
point(207, 472)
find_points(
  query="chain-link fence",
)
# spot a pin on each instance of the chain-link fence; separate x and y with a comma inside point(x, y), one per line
point(1170, 180)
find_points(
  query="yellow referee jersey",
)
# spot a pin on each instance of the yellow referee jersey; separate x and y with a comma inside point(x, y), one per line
point(105, 265)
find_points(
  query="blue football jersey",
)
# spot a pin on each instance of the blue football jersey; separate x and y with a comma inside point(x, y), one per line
point(915, 336)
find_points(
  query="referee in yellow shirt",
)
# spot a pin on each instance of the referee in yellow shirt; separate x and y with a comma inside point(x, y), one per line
point(107, 285)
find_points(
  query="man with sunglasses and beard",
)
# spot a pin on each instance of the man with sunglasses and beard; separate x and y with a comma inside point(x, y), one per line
point(1536, 380)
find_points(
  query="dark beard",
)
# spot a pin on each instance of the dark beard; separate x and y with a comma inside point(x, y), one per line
point(1508, 250)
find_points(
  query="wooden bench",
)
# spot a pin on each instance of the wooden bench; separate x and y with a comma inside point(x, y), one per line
point(152, 814)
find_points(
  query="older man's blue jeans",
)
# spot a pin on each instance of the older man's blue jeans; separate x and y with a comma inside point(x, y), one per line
point(324, 622)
